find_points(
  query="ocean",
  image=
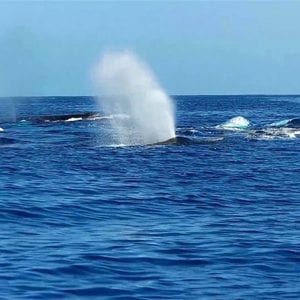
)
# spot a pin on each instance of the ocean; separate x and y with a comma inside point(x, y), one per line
point(215, 218)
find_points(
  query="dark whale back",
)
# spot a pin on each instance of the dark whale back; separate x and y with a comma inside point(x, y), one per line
point(182, 140)
point(60, 118)
point(178, 140)
point(294, 123)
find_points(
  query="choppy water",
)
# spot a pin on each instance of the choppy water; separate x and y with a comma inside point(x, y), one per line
point(82, 219)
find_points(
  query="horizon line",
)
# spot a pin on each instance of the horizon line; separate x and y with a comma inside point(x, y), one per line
point(171, 95)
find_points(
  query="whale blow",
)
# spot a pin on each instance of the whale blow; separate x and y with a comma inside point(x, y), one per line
point(131, 89)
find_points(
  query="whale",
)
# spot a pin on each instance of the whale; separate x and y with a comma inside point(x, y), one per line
point(285, 129)
point(57, 118)
point(290, 123)
point(61, 118)
point(177, 140)
point(294, 123)
point(183, 141)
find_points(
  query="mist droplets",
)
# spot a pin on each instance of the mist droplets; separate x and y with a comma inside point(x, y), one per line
point(128, 87)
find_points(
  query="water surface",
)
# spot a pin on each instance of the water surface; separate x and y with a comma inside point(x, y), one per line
point(82, 218)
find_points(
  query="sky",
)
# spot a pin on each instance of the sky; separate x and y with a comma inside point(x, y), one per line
point(196, 47)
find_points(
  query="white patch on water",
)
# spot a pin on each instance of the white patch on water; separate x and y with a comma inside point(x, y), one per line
point(290, 132)
point(1, 129)
point(297, 134)
point(131, 89)
point(236, 123)
point(194, 130)
point(73, 119)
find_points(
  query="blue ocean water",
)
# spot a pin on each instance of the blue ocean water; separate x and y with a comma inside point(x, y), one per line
point(81, 218)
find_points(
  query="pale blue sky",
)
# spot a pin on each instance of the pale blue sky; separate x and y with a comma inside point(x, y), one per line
point(222, 47)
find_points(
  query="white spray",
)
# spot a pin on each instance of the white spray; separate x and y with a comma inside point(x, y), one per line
point(131, 90)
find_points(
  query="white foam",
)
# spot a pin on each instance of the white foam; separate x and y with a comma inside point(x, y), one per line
point(290, 132)
point(1, 129)
point(236, 123)
point(73, 119)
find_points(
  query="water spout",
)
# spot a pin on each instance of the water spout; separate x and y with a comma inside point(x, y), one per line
point(131, 89)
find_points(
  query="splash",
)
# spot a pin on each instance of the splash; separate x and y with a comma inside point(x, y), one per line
point(131, 89)
point(236, 123)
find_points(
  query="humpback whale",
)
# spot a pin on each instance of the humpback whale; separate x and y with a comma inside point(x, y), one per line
point(283, 129)
point(290, 123)
point(182, 140)
point(294, 123)
point(177, 140)
point(62, 118)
